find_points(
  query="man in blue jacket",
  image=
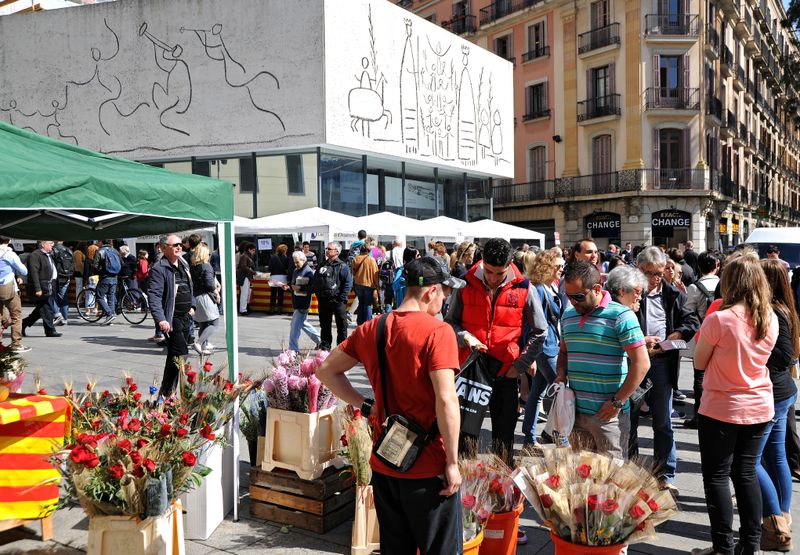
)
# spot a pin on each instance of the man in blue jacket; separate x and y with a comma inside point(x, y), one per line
point(300, 287)
point(169, 291)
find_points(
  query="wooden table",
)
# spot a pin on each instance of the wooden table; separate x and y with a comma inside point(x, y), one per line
point(32, 427)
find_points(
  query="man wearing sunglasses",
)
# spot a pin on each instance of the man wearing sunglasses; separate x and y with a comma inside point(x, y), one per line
point(597, 333)
point(663, 315)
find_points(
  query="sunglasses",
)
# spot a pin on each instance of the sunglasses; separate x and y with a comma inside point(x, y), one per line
point(654, 274)
point(176, 246)
point(578, 298)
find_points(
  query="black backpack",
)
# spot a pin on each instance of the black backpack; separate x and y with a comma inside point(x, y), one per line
point(325, 283)
point(62, 258)
point(386, 270)
point(709, 295)
point(108, 261)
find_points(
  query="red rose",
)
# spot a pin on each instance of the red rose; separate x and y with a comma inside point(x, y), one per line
point(609, 506)
point(124, 413)
point(201, 395)
point(88, 387)
point(343, 439)
point(138, 471)
point(133, 387)
point(96, 424)
point(592, 503)
point(149, 465)
point(67, 392)
point(183, 419)
point(129, 380)
point(136, 457)
point(636, 511)
point(554, 481)
point(207, 433)
point(87, 404)
point(643, 495)
point(92, 463)
point(137, 396)
point(189, 458)
point(116, 471)
point(166, 429)
point(640, 526)
point(134, 425)
point(584, 470)
point(468, 501)
point(191, 376)
point(124, 445)
point(652, 504)
point(141, 442)
point(547, 501)
point(181, 432)
point(42, 391)
point(228, 387)
point(79, 454)
point(356, 413)
point(105, 394)
point(208, 366)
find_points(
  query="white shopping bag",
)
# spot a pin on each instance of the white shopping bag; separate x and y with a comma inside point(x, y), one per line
point(562, 413)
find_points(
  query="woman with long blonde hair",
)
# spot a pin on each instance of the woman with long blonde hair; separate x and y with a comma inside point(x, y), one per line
point(462, 259)
point(734, 346)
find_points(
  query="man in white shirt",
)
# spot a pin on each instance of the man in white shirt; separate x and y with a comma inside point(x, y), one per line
point(11, 267)
point(397, 253)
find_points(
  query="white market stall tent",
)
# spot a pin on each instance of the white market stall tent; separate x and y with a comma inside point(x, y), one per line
point(492, 228)
point(394, 225)
point(333, 225)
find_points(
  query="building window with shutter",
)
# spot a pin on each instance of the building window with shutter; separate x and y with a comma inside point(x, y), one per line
point(537, 41)
point(537, 163)
point(504, 47)
point(536, 102)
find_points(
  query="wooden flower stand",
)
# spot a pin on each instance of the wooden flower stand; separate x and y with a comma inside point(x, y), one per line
point(46, 523)
point(365, 538)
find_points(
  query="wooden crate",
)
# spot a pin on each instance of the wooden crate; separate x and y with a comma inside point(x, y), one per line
point(317, 505)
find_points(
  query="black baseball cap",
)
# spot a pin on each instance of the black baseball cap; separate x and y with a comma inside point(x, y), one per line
point(427, 271)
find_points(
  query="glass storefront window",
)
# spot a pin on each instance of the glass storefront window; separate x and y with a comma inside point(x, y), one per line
point(420, 192)
point(342, 180)
point(286, 182)
point(451, 192)
point(384, 186)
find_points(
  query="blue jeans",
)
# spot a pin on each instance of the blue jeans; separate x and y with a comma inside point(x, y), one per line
point(366, 298)
point(773, 471)
point(659, 399)
point(300, 323)
point(60, 300)
point(545, 374)
point(107, 294)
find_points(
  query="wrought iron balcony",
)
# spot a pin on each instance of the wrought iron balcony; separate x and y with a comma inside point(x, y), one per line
point(524, 192)
point(542, 112)
point(723, 184)
point(675, 179)
point(535, 53)
point(596, 184)
point(608, 105)
point(714, 107)
point(502, 8)
point(676, 98)
point(405, 3)
point(598, 38)
point(672, 25)
point(461, 24)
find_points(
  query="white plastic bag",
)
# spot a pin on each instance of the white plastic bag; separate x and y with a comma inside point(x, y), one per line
point(561, 418)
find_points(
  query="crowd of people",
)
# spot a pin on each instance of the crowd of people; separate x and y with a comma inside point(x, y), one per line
point(614, 326)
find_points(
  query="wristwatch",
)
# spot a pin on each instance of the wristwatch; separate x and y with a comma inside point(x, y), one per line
point(366, 407)
point(616, 403)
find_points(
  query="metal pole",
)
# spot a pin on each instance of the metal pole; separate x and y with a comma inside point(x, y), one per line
point(436, 191)
point(403, 187)
point(466, 197)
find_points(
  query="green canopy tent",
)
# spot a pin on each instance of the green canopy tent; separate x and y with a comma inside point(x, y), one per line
point(51, 189)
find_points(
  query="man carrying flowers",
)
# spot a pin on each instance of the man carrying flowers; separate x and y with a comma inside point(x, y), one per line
point(416, 508)
point(597, 333)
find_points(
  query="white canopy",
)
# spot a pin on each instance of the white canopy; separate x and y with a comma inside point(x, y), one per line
point(491, 228)
point(308, 220)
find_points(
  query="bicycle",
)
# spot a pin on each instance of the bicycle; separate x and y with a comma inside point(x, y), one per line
point(131, 303)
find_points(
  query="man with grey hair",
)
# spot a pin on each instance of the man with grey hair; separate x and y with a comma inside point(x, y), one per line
point(300, 284)
point(662, 316)
point(332, 283)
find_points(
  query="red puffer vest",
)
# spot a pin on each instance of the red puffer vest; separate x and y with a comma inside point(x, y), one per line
point(497, 325)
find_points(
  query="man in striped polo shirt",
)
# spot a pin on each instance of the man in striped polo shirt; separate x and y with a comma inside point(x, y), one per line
point(596, 334)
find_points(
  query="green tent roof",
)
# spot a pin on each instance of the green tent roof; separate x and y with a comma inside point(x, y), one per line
point(49, 188)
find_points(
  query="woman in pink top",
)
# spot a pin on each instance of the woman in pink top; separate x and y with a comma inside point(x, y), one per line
point(734, 346)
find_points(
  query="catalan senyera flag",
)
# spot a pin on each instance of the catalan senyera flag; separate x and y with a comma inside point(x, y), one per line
point(32, 427)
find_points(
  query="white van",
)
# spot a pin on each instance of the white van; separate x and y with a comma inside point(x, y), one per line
point(787, 239)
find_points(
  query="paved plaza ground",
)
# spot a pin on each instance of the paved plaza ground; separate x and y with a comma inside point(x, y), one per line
point(104, 353)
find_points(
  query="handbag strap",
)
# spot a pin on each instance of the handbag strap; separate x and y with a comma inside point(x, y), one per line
point(380, 339)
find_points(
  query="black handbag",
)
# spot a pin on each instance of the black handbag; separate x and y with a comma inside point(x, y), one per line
point(401, 439)
point(474, 386)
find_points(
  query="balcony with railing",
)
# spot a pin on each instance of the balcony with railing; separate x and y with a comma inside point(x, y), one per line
point(672, 98)
point(536, 113)
point(594, 184)
point(742, 24)
point(672, 26)
point(711, 46)
point(749, 91)
point(502, 8)
point(728, 128)
point(536, 53)
point(599, 38)
point(726, 61)
point(534, 191)
point(461, 24)
point(740, 83)
point(714, 110)
point(598, 107)
point(678, 179)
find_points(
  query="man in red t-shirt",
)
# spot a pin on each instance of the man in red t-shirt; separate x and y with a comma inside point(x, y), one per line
point(416, 509)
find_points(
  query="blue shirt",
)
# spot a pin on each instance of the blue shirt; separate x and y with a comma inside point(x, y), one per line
point(9, 265)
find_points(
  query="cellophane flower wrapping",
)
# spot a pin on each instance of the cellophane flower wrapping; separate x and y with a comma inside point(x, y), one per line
point(593, 499)
point(476, 500)
point(356, 442)
point(292, 383)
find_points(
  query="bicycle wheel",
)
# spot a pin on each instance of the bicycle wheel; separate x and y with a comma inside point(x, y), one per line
point(134, 306)
point(86, 303)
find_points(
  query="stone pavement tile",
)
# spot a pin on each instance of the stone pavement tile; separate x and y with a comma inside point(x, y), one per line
point(197, 548)
point(293, 543)
point(233, 536)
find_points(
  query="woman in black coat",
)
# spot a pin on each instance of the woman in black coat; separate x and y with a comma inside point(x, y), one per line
point(279, 274)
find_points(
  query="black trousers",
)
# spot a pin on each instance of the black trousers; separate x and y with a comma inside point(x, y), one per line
point(792, 441)
point(43, 310)
point(698, 390)
point(503, 407)
point(276, 299)
point(177, 346)
point(730, 451)
point(412, 515)
point(327, 311)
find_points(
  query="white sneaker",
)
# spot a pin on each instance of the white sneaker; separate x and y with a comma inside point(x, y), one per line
point(209, 346)
point(198, 348)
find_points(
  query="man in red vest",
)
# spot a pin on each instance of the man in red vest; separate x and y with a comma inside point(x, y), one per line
point(491, 314)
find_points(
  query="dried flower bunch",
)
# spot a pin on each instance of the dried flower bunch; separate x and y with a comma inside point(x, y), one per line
point(592, 499)
point(132, 452)
point(12, 369)
point(356, 443)
point(293, 384)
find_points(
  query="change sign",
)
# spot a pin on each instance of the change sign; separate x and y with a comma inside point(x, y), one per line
point(604, 224)
point(665, 222)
